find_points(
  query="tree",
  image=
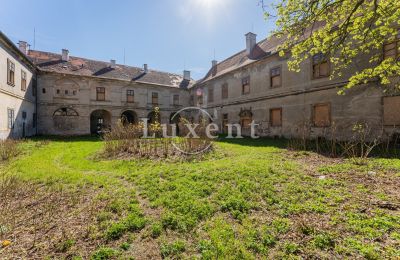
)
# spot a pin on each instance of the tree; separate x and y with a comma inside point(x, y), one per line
point(342, 30)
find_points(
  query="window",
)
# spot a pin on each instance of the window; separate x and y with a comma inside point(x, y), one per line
point(225, 91)
point(130, 96)
point(34, 87)
point(322, 115)
point(225, 122)
point(191, 100)
point(154, 98)
point(320, 66)
point(23, 80)
point(23, 114)
point(66, 92)
point(100, 94)
point(43, 90)
point(275, 79)
point(391, 108)
point(176, 100)
point(391, 49)
point(199, 93)
point(10, 114)
point(34, 120)
point(275, 117)
point(58, 91)
point(246, 85)
point(246, 117)
point(10, 73)
point(210, 95)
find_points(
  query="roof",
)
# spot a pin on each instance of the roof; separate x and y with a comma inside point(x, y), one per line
point(52, 62)
point(12, 47)
point(262, 49)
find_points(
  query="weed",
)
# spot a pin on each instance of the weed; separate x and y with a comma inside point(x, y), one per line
point(125, 246)
point(115, 231)
point(65, 245)
point(173, 250)
point(104, 253)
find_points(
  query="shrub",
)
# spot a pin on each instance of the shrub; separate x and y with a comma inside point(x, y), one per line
point(116, 231)
point(174, 249)
point(156, 230)
point(8, 149)
point(134, 222)
point(104, 253)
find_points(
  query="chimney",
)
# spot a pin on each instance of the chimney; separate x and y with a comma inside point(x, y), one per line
point(145, 68)
point(186, 75)
point(23, 47)
point(214, 64)
point(112, 64)
point(251, 40)
point(65, 55)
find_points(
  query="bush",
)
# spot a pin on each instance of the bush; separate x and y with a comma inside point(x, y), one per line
point(8, 149)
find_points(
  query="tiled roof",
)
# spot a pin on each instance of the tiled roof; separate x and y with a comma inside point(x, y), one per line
point(53, 62)
point(262, 49)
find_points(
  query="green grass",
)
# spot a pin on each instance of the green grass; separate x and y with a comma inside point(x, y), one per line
point(247, 200)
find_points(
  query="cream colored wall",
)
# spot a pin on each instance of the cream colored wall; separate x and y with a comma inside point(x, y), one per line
point(14, 98)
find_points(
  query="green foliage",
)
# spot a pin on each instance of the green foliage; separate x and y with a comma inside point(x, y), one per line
point(125, 246)
point(104, 253)
point(115, 231)
point(134, 222)
point(343, 30)
point(156, 230)
point(323, 241)
point(65, 245)
point(173, 250)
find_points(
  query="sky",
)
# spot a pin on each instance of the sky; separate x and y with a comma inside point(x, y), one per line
point(168, 35)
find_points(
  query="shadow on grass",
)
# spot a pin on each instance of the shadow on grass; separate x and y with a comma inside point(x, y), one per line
point(259, 142)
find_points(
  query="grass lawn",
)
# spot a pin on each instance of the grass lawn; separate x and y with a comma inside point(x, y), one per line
point(249, 199)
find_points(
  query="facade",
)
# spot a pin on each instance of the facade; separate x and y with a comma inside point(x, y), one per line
point(17, 92)
point(77, 96)
point(256, 84)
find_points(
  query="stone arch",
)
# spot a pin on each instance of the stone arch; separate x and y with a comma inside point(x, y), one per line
point(65, 118)
point(129, 117)
point(100, 120)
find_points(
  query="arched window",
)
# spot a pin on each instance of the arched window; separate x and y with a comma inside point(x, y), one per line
point(246, 117)
point(65, 111)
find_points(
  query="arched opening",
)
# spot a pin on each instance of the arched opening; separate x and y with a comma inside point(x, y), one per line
point(100, 120)
point(246, 117)
point(129, 117)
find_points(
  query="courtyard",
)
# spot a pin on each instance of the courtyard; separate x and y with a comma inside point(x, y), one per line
point(248, 199)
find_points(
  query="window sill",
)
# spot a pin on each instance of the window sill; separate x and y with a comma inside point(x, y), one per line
point(11, 84)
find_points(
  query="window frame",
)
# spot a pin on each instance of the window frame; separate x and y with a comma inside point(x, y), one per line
point(270, 116)
point(10, 118)
point(154, 95)
point(23, 80)
point(10, 68)
point(224, 91)
point(328, 104)
point(175, 99)
point(99, 91)
point(130, 96)
point(245, 82)
point(319, 66)
point(383, 111)
point(271, 76)
point(210, 96)
point(396, 48)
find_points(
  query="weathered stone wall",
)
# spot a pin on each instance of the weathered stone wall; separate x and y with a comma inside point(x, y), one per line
point(52, 96)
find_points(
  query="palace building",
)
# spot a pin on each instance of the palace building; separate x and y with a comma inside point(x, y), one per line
point(46, 93)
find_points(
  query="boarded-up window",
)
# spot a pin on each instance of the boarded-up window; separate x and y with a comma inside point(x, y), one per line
point(23, 80)
point(10, 73)
point(246, 85)
point(391, 109)
point(154, 98)
point(275, 117)
point(391, 49)
point(276, 80)
point(130, 96)
point(176, 100)
point(100, 94)
point(225, 91)
point(322, 115)
point(246, 117)
point(210, 95)
point(320, 66)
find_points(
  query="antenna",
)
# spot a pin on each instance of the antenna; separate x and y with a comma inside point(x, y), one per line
point(34, 38)
point(124, 56)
